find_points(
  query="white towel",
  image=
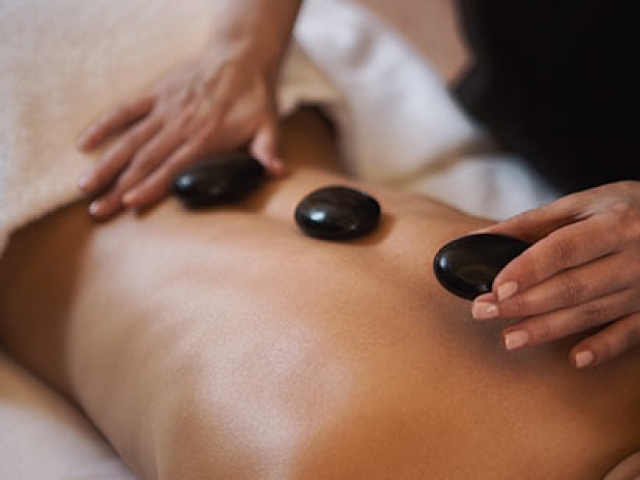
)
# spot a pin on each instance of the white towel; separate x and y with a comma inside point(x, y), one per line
point(63, 61)
point(399, 124)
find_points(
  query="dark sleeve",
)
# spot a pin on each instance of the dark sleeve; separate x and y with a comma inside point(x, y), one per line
point(559, 83)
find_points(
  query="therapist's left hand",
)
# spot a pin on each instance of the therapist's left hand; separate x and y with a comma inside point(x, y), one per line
point(582, 274)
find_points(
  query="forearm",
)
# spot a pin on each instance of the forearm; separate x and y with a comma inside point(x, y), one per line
point(258, 28)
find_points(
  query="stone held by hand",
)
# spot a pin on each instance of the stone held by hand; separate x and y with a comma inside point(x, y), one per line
point(467, 266)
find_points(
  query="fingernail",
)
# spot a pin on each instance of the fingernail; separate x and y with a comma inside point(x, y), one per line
point(95, 207)
point(507, 290)
point(515, 340)
point(484, 310)
point(584, 358)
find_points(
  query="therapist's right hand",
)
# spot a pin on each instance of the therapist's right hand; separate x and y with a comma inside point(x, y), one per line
point(217, 103)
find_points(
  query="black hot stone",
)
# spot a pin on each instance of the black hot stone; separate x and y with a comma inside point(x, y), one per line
point(337, 213)
point(218, 180)
point(468, 265)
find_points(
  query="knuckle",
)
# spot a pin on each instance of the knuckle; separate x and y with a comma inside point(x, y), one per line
point(144, 162)
point(592, 315)
point(624, 186)
point(622, 208)
point(108, 160)
point(571, 290)
point(132, 141)
point(566, 252)
point(544, 331)
point(529, 266)
point(632, 334)
point(142, 132)
point(208, 130)
point(113, 196)
point(518, 219)
point(112, 160)
point(181, 160)
point(143, 195)
point(627, 213)
point(632, 226)
point(617, 339)
point(151, 157)
point(537, 265)
point(515, 307)
point(185, 120)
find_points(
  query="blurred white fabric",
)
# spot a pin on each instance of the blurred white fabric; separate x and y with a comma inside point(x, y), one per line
point(63, 61)
point(400, 126)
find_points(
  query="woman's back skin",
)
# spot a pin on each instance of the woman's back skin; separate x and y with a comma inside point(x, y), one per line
point(225, 344)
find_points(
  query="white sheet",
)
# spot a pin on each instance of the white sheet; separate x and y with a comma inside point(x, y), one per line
point(62, 61)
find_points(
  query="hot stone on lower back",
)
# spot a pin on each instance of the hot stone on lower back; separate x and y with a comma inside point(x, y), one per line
point(337, 213)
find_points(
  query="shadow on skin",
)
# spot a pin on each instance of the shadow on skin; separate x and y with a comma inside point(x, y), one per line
point(46, 323)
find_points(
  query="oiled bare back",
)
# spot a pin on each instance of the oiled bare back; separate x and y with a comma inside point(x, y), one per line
point(226, 344)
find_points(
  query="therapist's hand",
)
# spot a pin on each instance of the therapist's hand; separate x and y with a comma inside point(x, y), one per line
point(212, 105)
point(222, 101)
point(581, 275)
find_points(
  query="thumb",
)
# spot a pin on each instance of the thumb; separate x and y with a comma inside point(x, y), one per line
point(264, 147)
point(535, 224)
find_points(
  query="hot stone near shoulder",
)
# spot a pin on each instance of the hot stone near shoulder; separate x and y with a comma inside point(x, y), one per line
point(218, 180)
point(468, 265)
point(337, 213)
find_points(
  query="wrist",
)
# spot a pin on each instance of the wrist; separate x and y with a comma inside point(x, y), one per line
point(256, 30)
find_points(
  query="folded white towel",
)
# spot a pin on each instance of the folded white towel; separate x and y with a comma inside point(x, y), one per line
point(61, 63)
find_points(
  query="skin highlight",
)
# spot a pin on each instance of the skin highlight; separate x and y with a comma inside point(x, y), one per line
point(306, 359)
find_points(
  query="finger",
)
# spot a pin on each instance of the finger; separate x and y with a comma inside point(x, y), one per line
point(619, 337)
point(106, 206)
point(265, 147)
point(101, 129)
point(571, 287)
point(535, 224)
point(568, 247)
point(110, 203)
point(565, 322)
point(118, 156)
point(147, 159)
point(157, 185)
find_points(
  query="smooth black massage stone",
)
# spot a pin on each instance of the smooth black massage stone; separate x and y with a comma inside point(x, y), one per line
point(218, 180)
point(337, 213)
point(468, 265)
